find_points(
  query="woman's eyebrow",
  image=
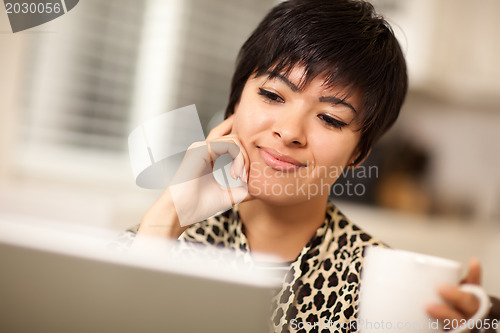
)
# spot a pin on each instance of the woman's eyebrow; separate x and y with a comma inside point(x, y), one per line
point(335, 101)
point(327, 99)
point(283, 79)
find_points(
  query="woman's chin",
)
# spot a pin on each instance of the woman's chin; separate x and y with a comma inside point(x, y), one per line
point(281, 192)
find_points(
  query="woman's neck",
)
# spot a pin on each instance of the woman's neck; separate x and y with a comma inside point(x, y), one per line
point(281, 231)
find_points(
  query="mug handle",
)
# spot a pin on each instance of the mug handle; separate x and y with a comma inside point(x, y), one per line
point(484, 303)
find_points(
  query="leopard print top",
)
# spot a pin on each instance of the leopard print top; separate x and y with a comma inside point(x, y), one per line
point(320, 292)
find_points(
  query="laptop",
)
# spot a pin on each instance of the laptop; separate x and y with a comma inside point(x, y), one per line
point(59, 279)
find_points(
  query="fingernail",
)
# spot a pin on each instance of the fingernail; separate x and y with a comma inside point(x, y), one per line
point(474, 261)
point(243, 175)
point(231, 171)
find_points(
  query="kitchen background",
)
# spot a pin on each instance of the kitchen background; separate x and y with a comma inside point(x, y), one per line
point(72, 89)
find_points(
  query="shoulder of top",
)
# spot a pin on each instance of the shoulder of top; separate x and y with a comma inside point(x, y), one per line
point(343, 222)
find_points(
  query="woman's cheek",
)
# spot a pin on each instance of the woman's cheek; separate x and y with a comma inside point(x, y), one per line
point(244, 124)
point(236, 123)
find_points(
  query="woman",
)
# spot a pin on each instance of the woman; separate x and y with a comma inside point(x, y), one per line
point(316, 84)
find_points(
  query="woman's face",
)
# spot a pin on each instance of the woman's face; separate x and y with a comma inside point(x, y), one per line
point(298, 141)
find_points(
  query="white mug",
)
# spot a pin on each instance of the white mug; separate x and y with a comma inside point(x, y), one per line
point(396, 286)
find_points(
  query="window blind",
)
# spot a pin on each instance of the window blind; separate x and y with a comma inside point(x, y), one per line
point(90, 80)
point(80, 79)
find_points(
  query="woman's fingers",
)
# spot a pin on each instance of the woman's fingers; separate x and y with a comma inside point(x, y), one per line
point(230, 144)
point(222, 146)
point(222, 129)
point(474, 273)
point(442, 312)
point(222, 142)
point(237, 169)
point(466, 303)
point(459, 304)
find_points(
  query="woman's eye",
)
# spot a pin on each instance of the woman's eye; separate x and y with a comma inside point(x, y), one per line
point(270, 96)
point(330, 121)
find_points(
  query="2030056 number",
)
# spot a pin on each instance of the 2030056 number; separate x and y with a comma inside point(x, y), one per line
point(33, 8)
point(470, 324)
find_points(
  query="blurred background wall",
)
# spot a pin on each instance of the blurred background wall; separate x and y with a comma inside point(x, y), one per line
point(72, 89)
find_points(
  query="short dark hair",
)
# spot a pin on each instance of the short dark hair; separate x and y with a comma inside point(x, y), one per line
point(342, 39)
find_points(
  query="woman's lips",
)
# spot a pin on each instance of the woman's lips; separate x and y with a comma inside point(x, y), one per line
point(278, 161)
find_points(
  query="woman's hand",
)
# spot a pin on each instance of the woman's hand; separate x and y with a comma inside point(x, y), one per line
point(459, 304)
point(194, 194)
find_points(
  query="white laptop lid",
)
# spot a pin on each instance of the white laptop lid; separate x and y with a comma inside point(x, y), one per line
point(61, 281)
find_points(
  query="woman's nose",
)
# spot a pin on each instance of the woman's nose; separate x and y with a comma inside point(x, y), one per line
point(290, 129)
